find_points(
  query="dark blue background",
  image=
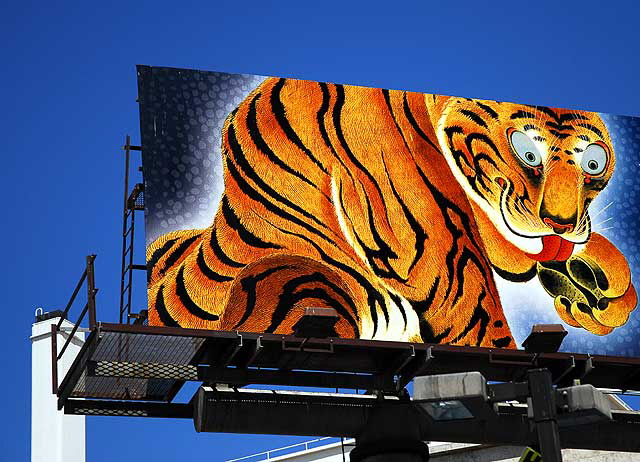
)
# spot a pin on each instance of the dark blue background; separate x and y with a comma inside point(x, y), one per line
point(68, 89)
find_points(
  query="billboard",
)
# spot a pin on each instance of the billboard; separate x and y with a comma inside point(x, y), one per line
point(417, 217)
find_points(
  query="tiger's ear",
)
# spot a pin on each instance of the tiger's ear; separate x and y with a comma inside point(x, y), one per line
point(436, 105)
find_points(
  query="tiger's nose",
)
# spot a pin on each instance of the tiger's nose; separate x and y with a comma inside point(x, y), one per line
point(558, 228)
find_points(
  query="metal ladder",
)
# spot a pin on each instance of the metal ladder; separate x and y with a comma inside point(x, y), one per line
point(133, 201)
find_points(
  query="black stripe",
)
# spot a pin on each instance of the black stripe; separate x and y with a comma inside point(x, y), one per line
point(261, 144)
point(387, 99)
point(157, 255)
point(281, 117)
point(248, 170)
point(337, 114)
point(559, 135)
point(539, 138)
point(572, 116)
point(288, 298)
point(322, 112)
point(162, 311)
point(190, 305)
point(516, 277)
point(269, 205)
point(383, 253)
point(398, 301)
point(422, 306)
point(420, 234)
point(177, 253)
point(219, 253)
point(409, 115)
point(488, 141)
point(249, 285)
point(502, 342)
point(452, 130)
point(523, 115)
point(466, 256)
point(530, 127)
point(548, 111)
point(479, 315)
point(208, 272)
point(488, 109)
point(594, 129)
point(427, 335)
point(475, 117)
point(584, 137)
point(559, 127)
point(248, 237)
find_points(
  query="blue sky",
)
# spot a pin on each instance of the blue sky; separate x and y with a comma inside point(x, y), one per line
point(68, 88)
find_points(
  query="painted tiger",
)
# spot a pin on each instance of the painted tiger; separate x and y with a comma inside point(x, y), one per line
point(398, 210)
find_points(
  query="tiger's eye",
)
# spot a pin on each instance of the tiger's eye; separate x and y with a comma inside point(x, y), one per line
point(525, 148)
point(594, 159)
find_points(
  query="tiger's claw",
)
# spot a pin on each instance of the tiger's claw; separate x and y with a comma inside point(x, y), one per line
point(593, 288)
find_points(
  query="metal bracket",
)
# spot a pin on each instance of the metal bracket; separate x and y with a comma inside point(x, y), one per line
point(412, 370)
point(492, 360)
point(301, 347)
point(572, 366)
point(256, 351)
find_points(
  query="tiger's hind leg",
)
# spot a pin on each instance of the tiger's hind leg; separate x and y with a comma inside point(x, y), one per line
point(168, 251)
point(271, 294)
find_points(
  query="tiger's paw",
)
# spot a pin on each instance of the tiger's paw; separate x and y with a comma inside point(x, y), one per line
point(593, 288)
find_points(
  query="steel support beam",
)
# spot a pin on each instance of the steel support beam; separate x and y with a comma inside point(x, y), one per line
point(543, 407)
point(330, 414)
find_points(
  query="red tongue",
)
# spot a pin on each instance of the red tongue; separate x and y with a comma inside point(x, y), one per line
point(553, 248)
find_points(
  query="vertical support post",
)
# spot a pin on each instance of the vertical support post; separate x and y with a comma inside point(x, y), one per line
point(544, 414)
point(54, 358)
point(391, 434)
point(55, 437)
point(91, 291)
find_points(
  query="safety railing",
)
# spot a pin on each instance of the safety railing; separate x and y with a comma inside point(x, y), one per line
point(88, 277)
point(293, 448)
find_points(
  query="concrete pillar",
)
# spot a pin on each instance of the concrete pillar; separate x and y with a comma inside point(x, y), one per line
point(55, 437)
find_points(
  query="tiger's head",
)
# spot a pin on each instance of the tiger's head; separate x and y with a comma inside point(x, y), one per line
point(533, 170)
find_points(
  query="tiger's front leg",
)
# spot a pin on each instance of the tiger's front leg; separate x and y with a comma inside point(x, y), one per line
point(593, 288)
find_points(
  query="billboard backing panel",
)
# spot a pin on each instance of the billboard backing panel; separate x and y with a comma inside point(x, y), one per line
point(417, 217)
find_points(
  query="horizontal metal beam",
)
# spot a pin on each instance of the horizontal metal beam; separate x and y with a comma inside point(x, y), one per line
point(242, 376)
point(375, 357)
point(328, 414)
point(239, 376)
point(128, 409)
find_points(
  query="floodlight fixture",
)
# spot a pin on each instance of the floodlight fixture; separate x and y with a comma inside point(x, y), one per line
point(449, 397)
point(545, 338)
point(317, 323)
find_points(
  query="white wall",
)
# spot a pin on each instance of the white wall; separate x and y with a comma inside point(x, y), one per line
point(55, 437)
